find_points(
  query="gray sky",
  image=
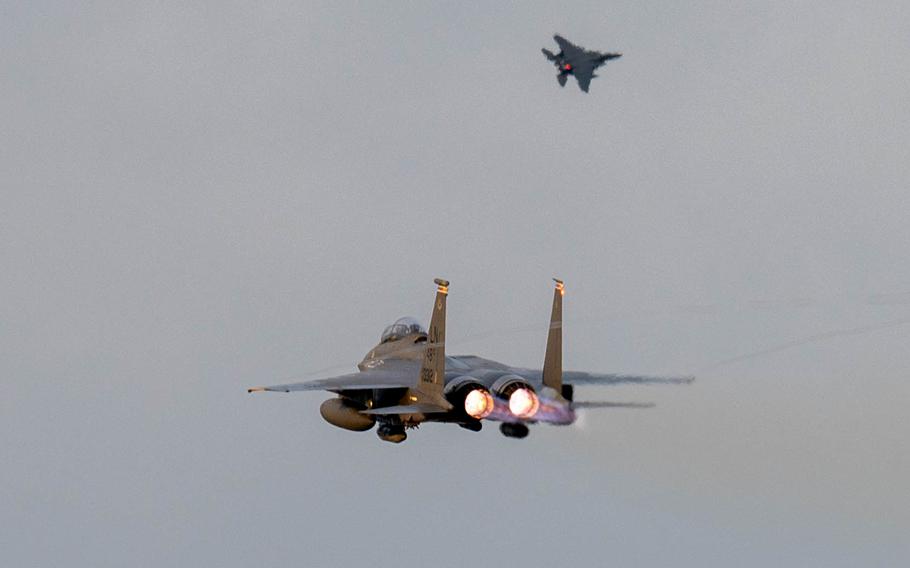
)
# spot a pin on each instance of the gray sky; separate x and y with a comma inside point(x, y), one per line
point(194, 200)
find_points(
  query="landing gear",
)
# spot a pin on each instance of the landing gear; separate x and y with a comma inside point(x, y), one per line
point(514, 430)
point(392, 433)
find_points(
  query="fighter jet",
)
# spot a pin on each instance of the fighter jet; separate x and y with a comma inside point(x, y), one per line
point(408, 379)
point(577, 61)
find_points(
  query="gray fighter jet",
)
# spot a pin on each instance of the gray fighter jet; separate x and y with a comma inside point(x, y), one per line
point(577, 61)
point(407, 379)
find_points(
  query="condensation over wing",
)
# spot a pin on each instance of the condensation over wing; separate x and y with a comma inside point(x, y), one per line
point(607, 404)
point(582, 378)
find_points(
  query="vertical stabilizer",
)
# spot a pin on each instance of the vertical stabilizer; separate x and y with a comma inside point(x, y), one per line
point(431, 380)
point(552, 362)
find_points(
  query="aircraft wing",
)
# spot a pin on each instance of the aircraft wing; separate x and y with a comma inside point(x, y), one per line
point(569, 50)
point(548, 54)
point(583, 72)
point(582, 378)
point(369, 379)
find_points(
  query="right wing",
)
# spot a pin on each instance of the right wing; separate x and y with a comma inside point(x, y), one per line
point(582, 378)
point(369, 379)
point(583, 72)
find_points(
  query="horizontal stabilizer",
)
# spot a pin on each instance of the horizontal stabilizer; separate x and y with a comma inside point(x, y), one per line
point(418, 408)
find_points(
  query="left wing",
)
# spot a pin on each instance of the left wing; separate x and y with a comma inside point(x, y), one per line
point(583, 72)
point(369, 379)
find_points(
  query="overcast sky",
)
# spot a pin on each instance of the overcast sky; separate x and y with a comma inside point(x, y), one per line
point(195, 199)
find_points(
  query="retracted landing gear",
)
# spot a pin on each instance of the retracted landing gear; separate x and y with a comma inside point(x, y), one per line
point(473, 425)
point(392, 433)
point(514, 430)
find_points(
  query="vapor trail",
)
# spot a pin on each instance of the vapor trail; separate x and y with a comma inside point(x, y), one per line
point(861, 330)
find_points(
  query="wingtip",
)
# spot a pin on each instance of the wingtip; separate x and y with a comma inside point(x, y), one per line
point(255, 389)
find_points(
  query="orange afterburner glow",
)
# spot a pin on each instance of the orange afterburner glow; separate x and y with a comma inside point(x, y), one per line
point(523, 403)
point(478, 404)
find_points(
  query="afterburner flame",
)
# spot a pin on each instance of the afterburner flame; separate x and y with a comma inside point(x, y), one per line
point(478, 404)
point(523, 403)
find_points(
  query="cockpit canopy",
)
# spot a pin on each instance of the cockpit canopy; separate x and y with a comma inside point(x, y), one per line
point(401, 328)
